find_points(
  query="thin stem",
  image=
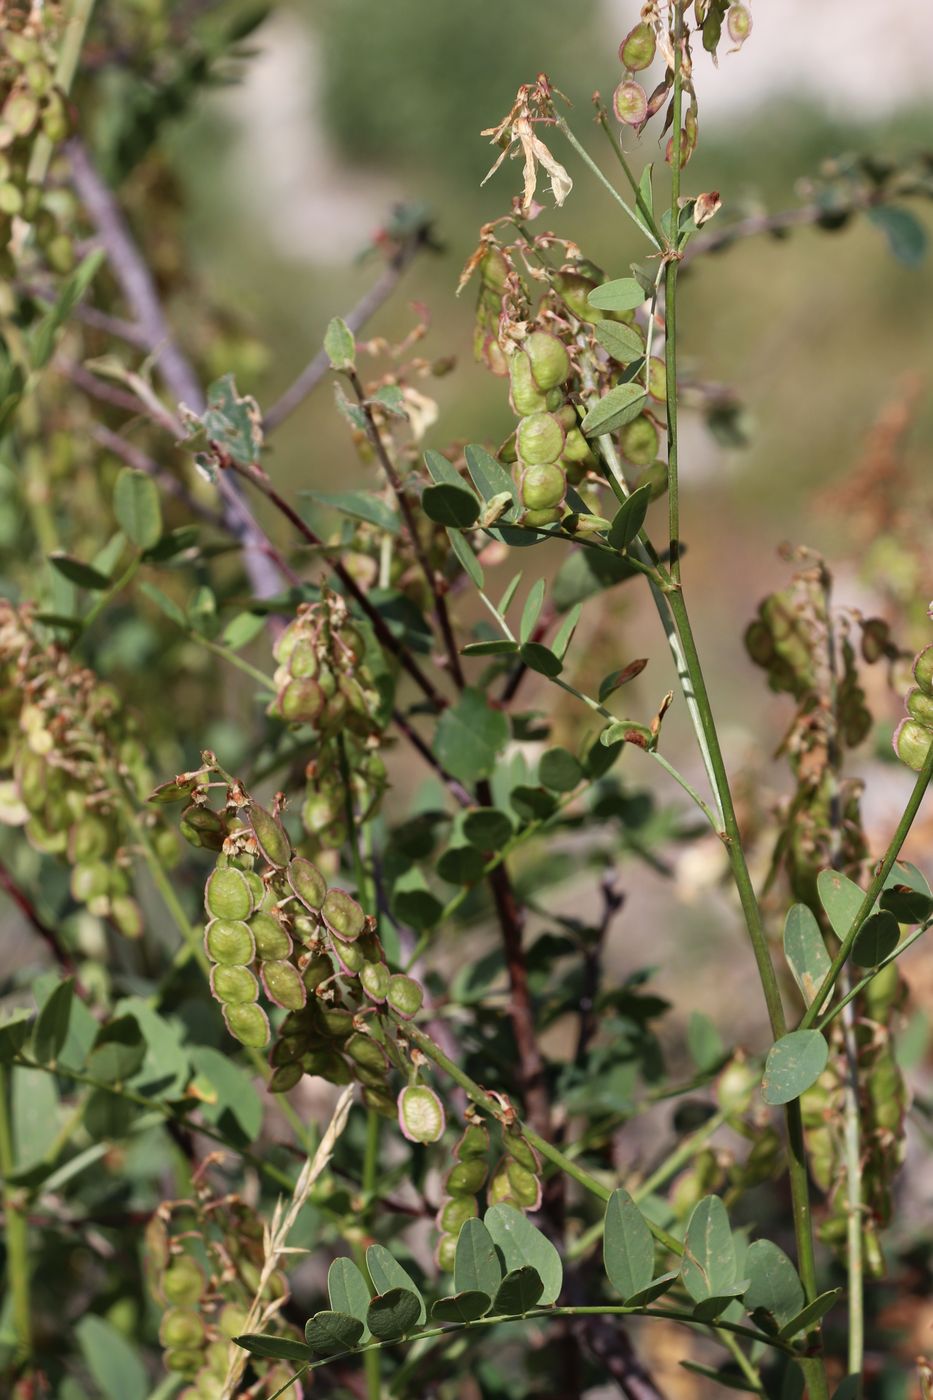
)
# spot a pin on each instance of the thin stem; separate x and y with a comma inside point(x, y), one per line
point(16, 1233)
point(232, 659)
point(371, 1366)
point(863, 982)
point(106, 598)
point(603, 119)
point(607, 184)
point(853, 1188)
point(873, 891)
point(670, 306)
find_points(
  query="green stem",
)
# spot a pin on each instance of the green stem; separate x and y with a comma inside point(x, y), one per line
point(863, 982)
point(371, 1367)
point(873, 891)
point(106, 598)
point(16, 1233)
point(621, 157)
point(670, 306)
point(232, 659)
point(589, 161)
point(855, 1264)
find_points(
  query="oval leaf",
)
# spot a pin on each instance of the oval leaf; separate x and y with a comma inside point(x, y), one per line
point(476, 1263)
point(876, 939)
point(137, 508)
point(795, 1062)
point(394, 1313)
point(628, 1246)
point(518, 1292)
point(708, 1268)
point(521, 1243)
point(461, 1307)
point(277, 1348)
point(622, 294)
point(614, 410)
point(52, 1024)
point(805, 950)
point(332, 1332)
point(809, 1315)
point(389, 1276)
point(629, 518)
point(450, 505)
point(774, 1286)
point(347, 1289)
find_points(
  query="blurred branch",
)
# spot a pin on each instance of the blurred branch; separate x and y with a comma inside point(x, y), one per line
point(356, 318)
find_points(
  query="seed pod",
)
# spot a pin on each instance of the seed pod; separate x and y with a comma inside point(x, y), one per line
point(183, 1281)
point(283, 984)
point(327, 1064)
point(317, 971)
point(288, 1050)
point(374, 978)
point(336, 1022)
point(307, 882)
point(524, 393)
point(270, 835)
point(421, 1114)
point(228, 895)
point(912, 743)
point(524, 1186)
point(630, 102)
point(540, 439)
point(233, 985)
point(455, 1212)
point(404, 995)
point(550, 362)
point(232, 1320)
point(248, 1024)
point(576, 447)
point(574, 289)
point(202, 828)
point(343, 915)
point(270, 937)
point(363, 1050)
point(521, 1151)
point(350, 956)
point(637, 49)
point(639, 441)
point(379, 1101)
point(230, 942)
point(543, 487)
point(738, 23)
point(540, 518)
point(300, 702)
point(127, 916)
point(923, 670)
point(467, 1177)
point(474, 1142)
point(285, 1078)
point(657, 378)
point(181, 1327)
point(183, 1362)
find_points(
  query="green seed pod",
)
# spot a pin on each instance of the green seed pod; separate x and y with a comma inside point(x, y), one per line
point(343, 915)
point(202, 828)
point(923, 670)
point(248, 1024)
point(303, 661)
point(374, 978)
point(737, 1086)
point(467, 1177)
point(89, 881)
point(233, 985)
point(380, 1102)
point(181, 1327)
point(365, 1051)
point(638, 48)
point(474, 1142)
point(300, 702)
point(230, 942)
point(540, 518)
point(639, 441)
point(270, 835)
point(285, 1078)
point(183, 1281)
point(317, 971)
point(327, 1064)
point(574, 289)
point(127, 915)
point(455, 1212)
point(630, 102)
point(524, 393)
point(283, 985)
point(521, 1151)
point(654, 477)
point(228, 895)
point(336, 1022)
point(499, 1190)
point(540, 439)
point(524, 1186)
point(232, 1320)
point(183, 1362)
point(445, 1254)
point(271, 940)
point(576, 448)
point(657, 379)
point(543, 487)
point(912, 743)
point(350, 955)
point(550, 362)
point(421, 1114)
point(288, 1050)
point(307, 882)
point(404, 995)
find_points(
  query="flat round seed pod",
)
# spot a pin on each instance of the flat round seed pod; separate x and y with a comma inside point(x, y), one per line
point(374, 978)
point(285, 1078)
point(307, 883)
point(303, 661)
point(550, 363)
point(256, 886)
point(630, 102)
point(343, 915)
point(455, 1212)
point(543, 487)
point(270, 835)
point(183, 1280)
point(380, 1102)
point(228, 895)
point(288, 1050)
point(327, 1064)
point(639, 441)
point(363, 1050)
point(317, 971)
point(230, 942)
point(233, 985)
point(181, 1327)
point(335, 1021)
point(350, 956)
point(301, 701)
point(271, 939)
point(540, 438)
point(404, 995)
point(283, 985)
point(421, 1114)
point(248, 1024)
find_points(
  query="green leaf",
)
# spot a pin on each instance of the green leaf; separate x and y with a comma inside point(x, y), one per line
point(52, 1023)
point(347, 1289)
point(841, 898)
point(450, 505)
point(242, 629)
point(566, 630)
point(339, 345)
point(532, 609)
point(470, 736)
point(732, 1380)
point(359, 505)
point(472, 567)
point(794, 1063)
point(541, 659)
point(654, 1290)
point(774, 1285)
point(616, 679)
point(710, 1308)
point(876, 939)
point(43, 337)
point(499, 647)
point(391, 398)
point(704, 1042)
point(442, 472)
point(14, 1033)
point(461, 865)
point(137, 508)
point(628, 1246)
point(461, 1307)
point(521, 1243)
point(489, 476)
point(809, 1315)
point(505, 602)
point(118, 1051)
point(708, 1267)
point(487, 828)
point(75, 571)
point(173, 543)
point(476, 1263)
point(518, 1292)
point(34, 1114)
point(165, 604)
point(623, 294)
point(394, 1313)
point(275, 1348)
point(629, 518)
point(333, 1332)
point(233, 422)
point(904, 232)
point(623, 343)
point(113, 1362)
point(230, 1089)
point(614, 410)
point(559, 770)
point(413, 903)
point(388, 1274)
point(805, 950)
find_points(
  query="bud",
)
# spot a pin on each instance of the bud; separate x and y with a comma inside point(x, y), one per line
point(637, 49)
point(630, 103)
point(912, 743)
point(420, 1114)
point(230, 942)
point(550, 362)
point(228, 895)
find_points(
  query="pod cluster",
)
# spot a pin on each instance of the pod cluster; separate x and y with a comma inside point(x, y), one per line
point(322, 680)
point(549, 447)
point(64, 742)
point(914, 734)
point(205, 1259)
point(33, 105)
point(514, 1181)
